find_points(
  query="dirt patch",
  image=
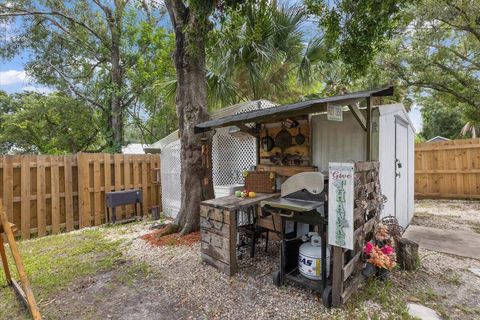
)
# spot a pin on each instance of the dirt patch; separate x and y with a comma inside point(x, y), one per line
point(128, 291)
point(157, 238)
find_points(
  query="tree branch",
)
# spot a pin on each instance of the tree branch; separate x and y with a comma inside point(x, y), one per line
point(74, 90)
point(15, 11)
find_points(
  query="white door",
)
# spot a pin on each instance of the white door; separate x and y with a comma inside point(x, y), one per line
point(401, 171)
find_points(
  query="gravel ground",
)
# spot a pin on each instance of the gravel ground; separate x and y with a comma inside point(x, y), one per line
point(177, 285)
point(448, 214)
point(248, 295)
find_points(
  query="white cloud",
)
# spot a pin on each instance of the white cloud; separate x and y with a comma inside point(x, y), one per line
point(12, 77)
point(44, 90)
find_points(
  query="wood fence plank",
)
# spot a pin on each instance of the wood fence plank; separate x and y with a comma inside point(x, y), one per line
point(67, 161)
point(107, 168)
point(41, 215)
point(97, 206)
point(25, 201)
point(83, 190)
point(153, 194)
point(127, 182)
point(55, 194)
point(117, 158)
point(8, 185)
point(136, 172)
point(146, 203)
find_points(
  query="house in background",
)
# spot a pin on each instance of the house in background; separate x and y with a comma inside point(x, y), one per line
point(438, 139)
point(134, 148)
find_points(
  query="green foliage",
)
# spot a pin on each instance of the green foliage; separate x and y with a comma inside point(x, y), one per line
point(51, 124)
point(355, 31)
point(107, 54)
point(440, 119)
point(437, 57)
point(257, 52)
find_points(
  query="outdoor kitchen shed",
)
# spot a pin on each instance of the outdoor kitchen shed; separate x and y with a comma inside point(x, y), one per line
point(391, 140)
point(324, 170)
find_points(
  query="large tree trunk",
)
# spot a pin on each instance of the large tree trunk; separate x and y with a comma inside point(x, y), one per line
point(190, 29)
point(116, 107)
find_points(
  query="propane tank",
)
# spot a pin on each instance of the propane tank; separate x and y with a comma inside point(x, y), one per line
point(310, 258)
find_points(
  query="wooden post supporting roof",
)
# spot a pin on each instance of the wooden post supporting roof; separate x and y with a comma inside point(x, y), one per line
point(358, 115)
point(369, 129)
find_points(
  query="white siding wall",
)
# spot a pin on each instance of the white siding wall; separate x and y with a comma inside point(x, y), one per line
point(337, 141)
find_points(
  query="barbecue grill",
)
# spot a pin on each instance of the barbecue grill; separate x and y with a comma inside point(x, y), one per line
point(303, 201)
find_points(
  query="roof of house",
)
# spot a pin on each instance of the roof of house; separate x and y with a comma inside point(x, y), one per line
point(293, 109)
point(133, 148)
point(217, 114)
point(438, 139)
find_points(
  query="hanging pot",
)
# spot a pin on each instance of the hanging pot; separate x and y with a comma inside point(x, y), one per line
point(299, 138)
point(283, 139)
point(267, 142)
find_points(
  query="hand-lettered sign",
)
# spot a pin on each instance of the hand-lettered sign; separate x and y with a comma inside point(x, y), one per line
point(340, 204)
point(334, 113)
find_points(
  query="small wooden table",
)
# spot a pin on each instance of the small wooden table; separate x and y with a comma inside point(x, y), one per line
point(218, 229)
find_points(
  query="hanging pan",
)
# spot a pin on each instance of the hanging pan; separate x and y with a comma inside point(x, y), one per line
point(267, 142)
point(283, 139)
point(299, 138)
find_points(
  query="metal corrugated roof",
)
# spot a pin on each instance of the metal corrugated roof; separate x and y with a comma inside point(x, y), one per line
point(294, 109)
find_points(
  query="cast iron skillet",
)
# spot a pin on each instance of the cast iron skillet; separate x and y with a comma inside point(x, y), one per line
point(283, 140)
point(267, 142)
point(299, 138)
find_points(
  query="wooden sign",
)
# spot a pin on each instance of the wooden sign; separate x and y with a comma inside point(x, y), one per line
point(340, 204)
point(335, 113)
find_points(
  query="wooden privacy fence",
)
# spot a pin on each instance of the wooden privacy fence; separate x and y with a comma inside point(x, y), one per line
point(48, 194)
point(449, 169)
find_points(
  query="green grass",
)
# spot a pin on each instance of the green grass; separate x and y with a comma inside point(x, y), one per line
point(452, 277)
point(382, 293)
point(53, 262)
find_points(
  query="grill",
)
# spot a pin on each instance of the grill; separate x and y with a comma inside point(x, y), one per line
point(303, 192)
point(302, 201)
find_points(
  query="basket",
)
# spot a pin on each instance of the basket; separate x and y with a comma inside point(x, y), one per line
point(394, 229)
point(260, 181)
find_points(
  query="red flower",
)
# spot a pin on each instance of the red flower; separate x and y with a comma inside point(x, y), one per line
point(367, 249)
point(387, 250)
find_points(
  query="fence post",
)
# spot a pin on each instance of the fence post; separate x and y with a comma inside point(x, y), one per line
point(83, 190)
point(25, 192)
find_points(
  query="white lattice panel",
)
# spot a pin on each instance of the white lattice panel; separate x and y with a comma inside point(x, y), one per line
point(230, 157)
point(170, 169)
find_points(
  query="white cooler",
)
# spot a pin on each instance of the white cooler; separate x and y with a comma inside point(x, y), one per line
point(227, 190)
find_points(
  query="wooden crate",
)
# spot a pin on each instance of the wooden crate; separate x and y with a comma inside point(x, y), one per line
point(261, 181)
point(218, 238)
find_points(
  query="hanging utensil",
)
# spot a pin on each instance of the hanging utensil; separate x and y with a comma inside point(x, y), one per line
point(267, 142)
point(299, 138)
point(283, 139)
